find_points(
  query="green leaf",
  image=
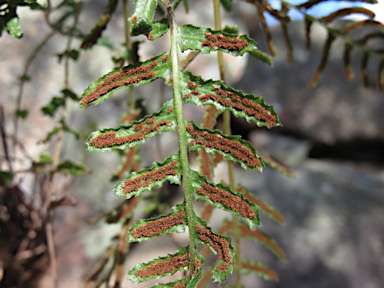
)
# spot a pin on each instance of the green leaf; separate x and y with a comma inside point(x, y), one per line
point(231, 147)
point(36, 4)
point(163, 266)
point(92, 38)
point(149, 228)
point(66, 128)
point(74, 54)
point(13, 28)
point(147, 179)
point(142, 17)
point(231, 29)
point(159, 28)
point(72, 168)
point(249, 266)
point(223, 197)
point(207, 40)
point(186, 4)
point(22, 113)
point(54, 131)
point(131, 75)
point(227, 4)
point(45, 158)
point(5, 177)
point(25, 78)
point(263, 57)
point(134, 134)
point(69, 93)
point(51, 108)
point(221, 246)
point(210, 92)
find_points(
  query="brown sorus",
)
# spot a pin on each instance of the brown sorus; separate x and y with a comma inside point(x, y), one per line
point(109, 139)
point(157, 226)
point(228, 199)
point(232, 100)
point(144, 180)
point(165, 58)
point(220, 244)
point(165, 266)
point(224, 42)
point(211, 140)
point(114, 81)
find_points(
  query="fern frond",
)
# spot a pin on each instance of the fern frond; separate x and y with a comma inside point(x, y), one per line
point(231, 147)
point(223, 197)
point(221, 246)
point(164, 266)
point(207, 40)
point(135, 133)
point(209, 92)
point(147, 179)
point(131, 75)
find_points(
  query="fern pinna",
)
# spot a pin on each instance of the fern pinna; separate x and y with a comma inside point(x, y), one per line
point(176, 169)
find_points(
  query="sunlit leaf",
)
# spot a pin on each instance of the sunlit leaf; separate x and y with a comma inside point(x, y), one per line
point(135, 133)
point(207, 40)
point(210, 92)
point(131, 75)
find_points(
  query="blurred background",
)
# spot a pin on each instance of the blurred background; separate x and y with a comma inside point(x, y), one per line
point(332, 139)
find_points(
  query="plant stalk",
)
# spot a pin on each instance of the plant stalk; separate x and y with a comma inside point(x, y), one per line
point(183, 143)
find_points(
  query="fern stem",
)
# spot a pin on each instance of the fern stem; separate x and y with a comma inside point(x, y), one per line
point(183, 143)
point(227, 130)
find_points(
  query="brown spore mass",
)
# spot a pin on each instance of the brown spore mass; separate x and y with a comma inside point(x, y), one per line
point(232, 100)
point(165, 58)
point(164, 266)
point(109, 139)
point(219, 244)
point(157, 226)
point(170, 109)
point(224, 42)
point(149, 177)
point(150, 120)
point(192, 85)
point(228, 199)
point(114, 81)
point(211, 140)
point(134, 19)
